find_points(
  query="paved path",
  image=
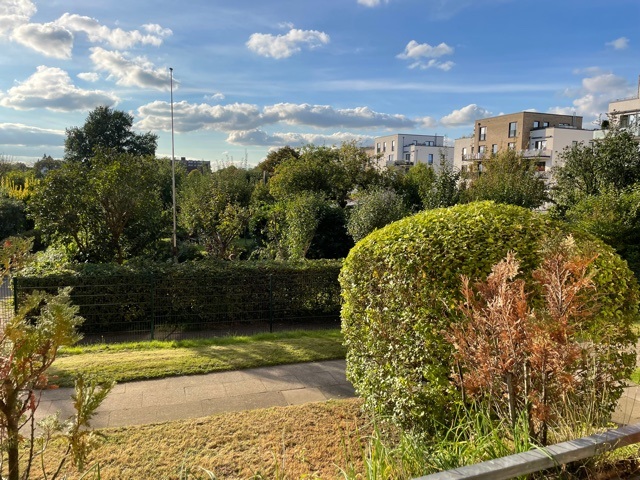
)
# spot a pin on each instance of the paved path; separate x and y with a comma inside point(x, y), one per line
point(175, 398)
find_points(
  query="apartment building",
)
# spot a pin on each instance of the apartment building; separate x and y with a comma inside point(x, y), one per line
point(405, 150)
point(535, 134)
point(626, 113)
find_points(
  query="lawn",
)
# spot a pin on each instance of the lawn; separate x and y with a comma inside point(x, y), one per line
point(307, 441)
point(128, 362)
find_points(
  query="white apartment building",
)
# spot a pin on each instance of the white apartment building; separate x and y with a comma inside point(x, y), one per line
point(405, 150)
point(626, 113)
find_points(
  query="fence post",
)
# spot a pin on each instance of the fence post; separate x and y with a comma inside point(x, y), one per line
point(270, 303)
point(153, 307)
point(14, 280)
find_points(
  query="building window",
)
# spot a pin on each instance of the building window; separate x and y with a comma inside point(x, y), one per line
point(540, 166)
point(545, 124)
point(483, 133)
point(378, 147)
point(393, 145)
point(494, 148)
point(481, 149)
point(536, 124)
point(540, 144)
point(464, 152)
point(511, 146)
point(390, 158)
point(430, 159)
point(384, 146)
point(430, 143)
point(407, 157)
point(513, 129)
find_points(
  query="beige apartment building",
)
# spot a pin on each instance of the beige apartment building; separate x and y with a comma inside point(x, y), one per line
point(402, 150)
point(626, 113)
point(527, 132)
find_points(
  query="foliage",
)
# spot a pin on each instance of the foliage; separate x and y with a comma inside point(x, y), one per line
point(206, 294)
point(401, 286)
point(610, 163)
point(508, 178)
point(107, 129)
point(276, 157)
point(108, 210)
point(531, 363)
point(210, 215)
point(13, 219)
point(614, 217)
point(374, 209)
point(46, 164)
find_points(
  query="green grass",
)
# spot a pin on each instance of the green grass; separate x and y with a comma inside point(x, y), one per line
point(126, 362)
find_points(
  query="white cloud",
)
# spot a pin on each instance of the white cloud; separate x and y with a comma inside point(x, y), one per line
point(427, 122)
point(424, 56)
point(372, 3)
point(136, 72)
point(15, 13)
point(191, 117)
point(464, 116)
point(323, 116)
point(261, 138)
point(117, 37)
point(594, 95)
point(51, 88)
point(216, 97)
point(283, 46)
point(46, 38)
point(89, 76)
point(619, 43)
point(241, 116)
point(17, 134)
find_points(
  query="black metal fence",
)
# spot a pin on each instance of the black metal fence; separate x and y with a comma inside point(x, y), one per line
point(118, 308)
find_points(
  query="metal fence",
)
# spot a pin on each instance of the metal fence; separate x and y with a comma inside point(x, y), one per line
point(145, 308)
point(6, 302)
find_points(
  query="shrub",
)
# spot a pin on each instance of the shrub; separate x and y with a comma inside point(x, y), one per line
point(401, 289)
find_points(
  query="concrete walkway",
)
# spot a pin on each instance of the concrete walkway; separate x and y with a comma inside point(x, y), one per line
point(154, 401)
point(175, 398)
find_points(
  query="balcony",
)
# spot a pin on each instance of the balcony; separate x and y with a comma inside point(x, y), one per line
point(539, 152)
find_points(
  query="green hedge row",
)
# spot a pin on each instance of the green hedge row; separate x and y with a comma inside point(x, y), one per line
point(116, 298)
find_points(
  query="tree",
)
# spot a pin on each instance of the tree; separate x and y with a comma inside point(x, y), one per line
point(276, 157)
point(374, 209)
point(611, 163)
point(211, 216)
point(508, 178)
point(104, 211)
point(13, 219)
point(110, 129)
point(44, 165)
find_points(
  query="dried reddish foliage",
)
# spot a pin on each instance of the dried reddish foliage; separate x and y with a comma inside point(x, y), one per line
point(521, 359)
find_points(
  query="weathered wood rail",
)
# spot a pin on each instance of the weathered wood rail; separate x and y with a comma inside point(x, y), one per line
point(536, 460)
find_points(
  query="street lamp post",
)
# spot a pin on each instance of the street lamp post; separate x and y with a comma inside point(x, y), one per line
point(174, 246)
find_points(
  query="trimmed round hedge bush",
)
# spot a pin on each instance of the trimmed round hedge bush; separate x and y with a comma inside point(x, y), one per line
point(401, 288)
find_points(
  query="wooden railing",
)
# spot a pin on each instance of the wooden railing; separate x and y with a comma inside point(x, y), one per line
point(536, 460)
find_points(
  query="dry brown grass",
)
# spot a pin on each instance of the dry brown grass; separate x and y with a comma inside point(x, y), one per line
point(307, 441)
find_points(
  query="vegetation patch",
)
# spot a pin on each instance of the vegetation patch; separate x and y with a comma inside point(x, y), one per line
point(146, 360)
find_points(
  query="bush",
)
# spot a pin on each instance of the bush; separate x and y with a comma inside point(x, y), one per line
point(197, 294)
point(401, 290)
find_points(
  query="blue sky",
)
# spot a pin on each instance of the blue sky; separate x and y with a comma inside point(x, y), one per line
point(253, 75)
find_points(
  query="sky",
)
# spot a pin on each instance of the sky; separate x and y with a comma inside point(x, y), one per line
point(250, 76)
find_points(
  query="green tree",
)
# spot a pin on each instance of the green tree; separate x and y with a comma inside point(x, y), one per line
point(13, 218)
point(276, 157)
point(374, 209)
point(614, 217)
point(109, 210)
point(46, 164)
point(210, 215)
point(610, 163)
point(110, 129)
point(508, 178)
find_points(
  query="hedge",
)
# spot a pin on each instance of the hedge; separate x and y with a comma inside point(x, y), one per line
point(197, 294)
point(401, 289)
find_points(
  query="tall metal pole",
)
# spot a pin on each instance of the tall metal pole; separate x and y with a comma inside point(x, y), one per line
point(174, 248)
